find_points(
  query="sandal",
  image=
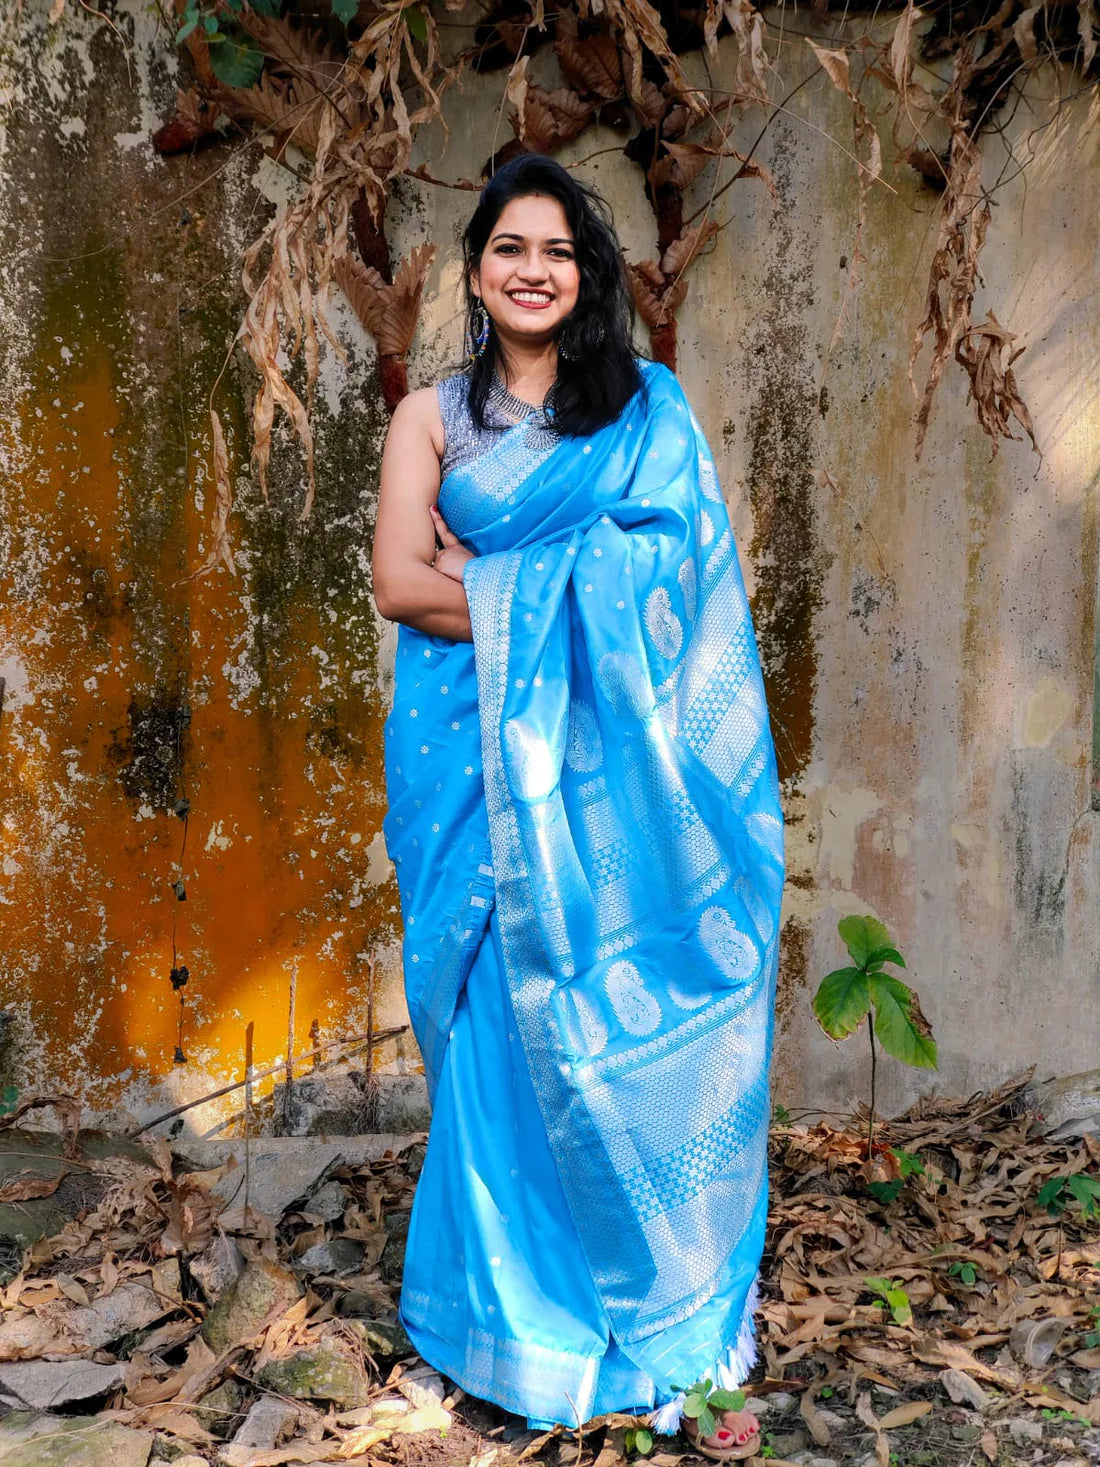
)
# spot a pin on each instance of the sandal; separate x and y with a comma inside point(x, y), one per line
point(726, 1447)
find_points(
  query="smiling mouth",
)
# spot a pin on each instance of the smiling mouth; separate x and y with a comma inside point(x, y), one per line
point(532, 299)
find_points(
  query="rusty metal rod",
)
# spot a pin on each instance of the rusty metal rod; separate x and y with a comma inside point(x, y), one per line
point(178, 1110)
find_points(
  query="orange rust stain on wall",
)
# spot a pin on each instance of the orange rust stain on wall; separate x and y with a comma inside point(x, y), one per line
point(107, 728)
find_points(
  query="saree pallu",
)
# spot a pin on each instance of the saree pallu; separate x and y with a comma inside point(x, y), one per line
point(584, 819)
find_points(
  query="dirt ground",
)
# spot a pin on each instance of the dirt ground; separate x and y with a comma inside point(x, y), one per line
point(938, 1303)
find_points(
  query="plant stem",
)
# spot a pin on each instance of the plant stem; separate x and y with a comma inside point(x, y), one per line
point(871, 1116)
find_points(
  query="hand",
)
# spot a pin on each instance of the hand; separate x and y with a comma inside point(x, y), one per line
point(450, 560)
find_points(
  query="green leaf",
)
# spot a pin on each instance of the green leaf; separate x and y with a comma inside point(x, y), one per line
point(694, 1405)
point(185, 29)
point(862, 936)
point(414, 19)
point(878, 1286)
point(899, 1024)
point(727, 1400)
point(886, 1191)
point(1049, 1194)
point(643, 1441)
point(885, 955)
point(345, 10)
point(842, 1001)
point(707, 1423)
point(1087, 1193)
point(235, 63)
point(9, 1098)
point(210, 24)
point(909, 1163)
point(898, 1301)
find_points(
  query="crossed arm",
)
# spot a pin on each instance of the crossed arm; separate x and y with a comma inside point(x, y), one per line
point(416, 582)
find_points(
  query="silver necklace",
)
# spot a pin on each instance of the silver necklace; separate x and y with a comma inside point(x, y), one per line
point(511, 406)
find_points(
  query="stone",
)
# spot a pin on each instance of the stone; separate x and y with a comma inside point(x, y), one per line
point(963, 1389)
point(1023, 1431)
point(383, 1339)
point(269, 1421)
point(43, 1384)
point(260, 1293)
point(190, 1460)
point(170, 1448)
point(809, 1459)
point(329, 1202)
point(1067, 1107)
point(392, 1262)
point(423, 1387)
point(217, 1267)
point(334, 1257)
point(832, 1419)
point(218, 1410)
point(779, 1403)
point(787, 1443)
point(402, 1103)
point(336, 1102)
point(79, 1441)
point(283, 1170)
point(323, 1372)
point(69, 1329)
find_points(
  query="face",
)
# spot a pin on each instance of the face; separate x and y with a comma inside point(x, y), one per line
point(527, 276)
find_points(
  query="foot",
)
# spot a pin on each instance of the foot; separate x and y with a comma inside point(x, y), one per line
point(743, 1425)
point(736, 1436)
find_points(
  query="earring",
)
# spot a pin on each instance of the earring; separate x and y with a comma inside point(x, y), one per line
point(479, 330)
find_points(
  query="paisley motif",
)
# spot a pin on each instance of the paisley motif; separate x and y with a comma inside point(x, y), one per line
point(583, 746)
point(536, 769)
point(705, 528)
point(684, 1000)
point(730, 949)
point(662, 623)
point(757, 908)
point(635, 1007)
point(687, 579)
point(587, 1030)
point(626, 684)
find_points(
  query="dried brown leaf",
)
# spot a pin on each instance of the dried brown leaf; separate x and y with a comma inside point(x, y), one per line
point(904, 1415)
point(869, 1419)
point(389, 312)
point(817, 1425)
point(684, 251)
point(592, 65)
point(26, 1185)
point(1087, 28)
point(551, 119)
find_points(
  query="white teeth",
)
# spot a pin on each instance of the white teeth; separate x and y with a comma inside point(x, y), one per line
point(536, 297)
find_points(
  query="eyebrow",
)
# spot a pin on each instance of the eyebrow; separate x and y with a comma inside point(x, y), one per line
point(505, 234)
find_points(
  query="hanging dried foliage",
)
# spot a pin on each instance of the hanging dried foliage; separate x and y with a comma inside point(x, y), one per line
point(354, 109)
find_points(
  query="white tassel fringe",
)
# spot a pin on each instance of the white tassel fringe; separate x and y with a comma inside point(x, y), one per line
point(729, 1371)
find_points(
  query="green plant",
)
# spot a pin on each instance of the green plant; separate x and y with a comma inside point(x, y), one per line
point(1052, 1413)
point(891, 1295)
point(701, 1401)
point(965, 1272)
point(9, 1098)
point(1057, 1194)
point(1092, 1338)
point(766, 1448)
point(781, 1116)
point(825, 1392)
point(847, 996)
point(639, 1439)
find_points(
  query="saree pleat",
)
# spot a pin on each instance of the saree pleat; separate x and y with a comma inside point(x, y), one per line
point(585, 823)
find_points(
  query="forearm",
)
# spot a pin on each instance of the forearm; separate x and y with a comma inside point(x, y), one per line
point(426, 599)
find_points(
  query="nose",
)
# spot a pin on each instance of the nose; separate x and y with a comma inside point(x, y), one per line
point(532, 267)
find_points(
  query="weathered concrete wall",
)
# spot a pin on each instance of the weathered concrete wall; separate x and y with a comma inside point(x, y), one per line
point(928, 629)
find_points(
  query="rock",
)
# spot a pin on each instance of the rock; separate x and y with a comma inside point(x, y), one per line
point(190, 1460)
point(384, 1340)
point(218, 1410)
point(70, 1329)
point(1067, 1107)
point(423, 1387)
point(323, 1372)
point(337, 1256)
point(392, 1262)
point(779, 1403)
point(1023, 1431)
point(402, 1103)
point(217, 1267)
point(169, 1448)
point(832, 1419)
point(329, 1202)
point(80, 1441)
point(269, 1421)
point(808, 1459)
point(43, 1384)
point(261, 1292)
point(787, 1443)
point(283, 1170)
point(963, 1389)
point(328, 1103)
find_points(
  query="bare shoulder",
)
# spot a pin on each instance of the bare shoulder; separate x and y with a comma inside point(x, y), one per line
point(417, 418)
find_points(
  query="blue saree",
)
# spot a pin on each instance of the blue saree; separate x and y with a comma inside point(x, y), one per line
point(585, 824)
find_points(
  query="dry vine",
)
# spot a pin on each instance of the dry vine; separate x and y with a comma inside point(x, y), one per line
point(353, 102)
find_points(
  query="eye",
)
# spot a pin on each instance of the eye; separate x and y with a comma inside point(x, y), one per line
point(560, 253)
point(507, 249)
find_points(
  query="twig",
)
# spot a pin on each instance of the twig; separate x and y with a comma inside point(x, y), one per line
point(178, 1110)
point(247, 1107)
point(288, 1085)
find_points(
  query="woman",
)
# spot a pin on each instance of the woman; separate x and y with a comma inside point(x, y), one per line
point(584, 821)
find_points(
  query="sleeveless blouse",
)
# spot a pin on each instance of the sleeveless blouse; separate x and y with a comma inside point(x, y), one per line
point(463, 440)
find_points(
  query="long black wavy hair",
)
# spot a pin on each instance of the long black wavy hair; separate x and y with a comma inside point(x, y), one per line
point(600, 374)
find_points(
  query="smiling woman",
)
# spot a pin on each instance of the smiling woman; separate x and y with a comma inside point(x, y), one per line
point(584, 820)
